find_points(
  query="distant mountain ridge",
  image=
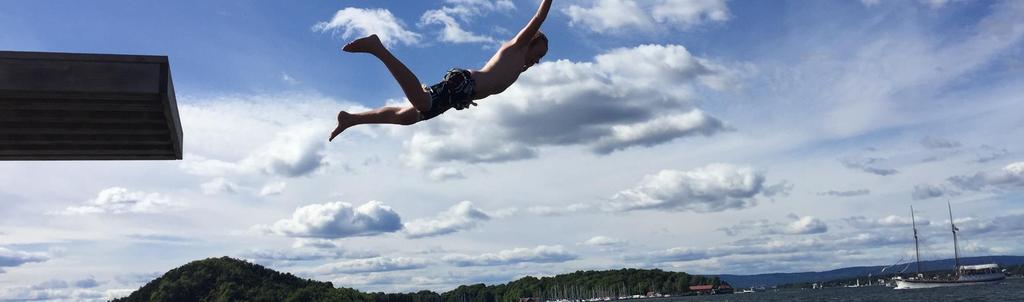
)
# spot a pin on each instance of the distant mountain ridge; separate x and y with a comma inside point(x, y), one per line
point(743, 281)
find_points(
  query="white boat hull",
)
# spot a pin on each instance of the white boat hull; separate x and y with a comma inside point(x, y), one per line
point(916, 284)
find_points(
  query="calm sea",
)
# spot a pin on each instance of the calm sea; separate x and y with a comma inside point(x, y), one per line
point(1009, 290)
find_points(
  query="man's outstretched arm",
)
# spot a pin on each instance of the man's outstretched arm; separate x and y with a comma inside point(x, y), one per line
point(526, 35)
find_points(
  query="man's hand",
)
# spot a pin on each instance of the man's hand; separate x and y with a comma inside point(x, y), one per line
point(526, 35)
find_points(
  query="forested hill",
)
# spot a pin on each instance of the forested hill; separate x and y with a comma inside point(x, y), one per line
point(227, 279)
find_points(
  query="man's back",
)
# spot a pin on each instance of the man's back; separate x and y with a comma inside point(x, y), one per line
point(501, 70)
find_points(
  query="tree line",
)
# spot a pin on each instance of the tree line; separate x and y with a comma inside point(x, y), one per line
point(227, 279)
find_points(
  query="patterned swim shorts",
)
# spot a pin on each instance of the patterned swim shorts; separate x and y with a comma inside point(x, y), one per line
point(454, 91)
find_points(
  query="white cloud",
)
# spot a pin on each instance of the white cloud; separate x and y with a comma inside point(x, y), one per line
point(452, 32)
point(988, 153)
point(338, 220)
point(117, 200)
point(939, 143)
point(806, 225)
point(772, 246)
point(273, 188)
point(539, 254)
point(603, 16)
point(1010, 177)
point(867, 164)
point(687, 13)
point(445, 173)
point(288, 79)
point(602, 241)
point(559, 211)
point(848, 193)
point(354, 22)
point(925, 191)
point(713, 188)
point(293, 152)
point(462, 216)
point(870, 3)
point(219, 185)
point(798, 226)
point(377, 264)
point(627, 97)
point(293, 255)
point(862, 222)
point(658, 131)
point(12, 258)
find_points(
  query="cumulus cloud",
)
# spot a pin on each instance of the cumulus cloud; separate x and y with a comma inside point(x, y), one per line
point(624, 98)
point(377, 264)
point(117, 200)
point(713, 188)
point(862, 222)
point(603, 16)
point(219, 185)
point(539, 254)
point(866, 164)
point(798, 226)
point(298, 255)
point(926, 191)
point(988, 153)
point(849, 193)
point(462, 216)
point(354, 22)
point(560, 211)
point(445, 173)
point(939, 143)
point(296, 151)
point(452, 32)
point(274, 188)
point(1010, 177)
point(772, 246)
point(602, 241)
point(338, 220)
point(12, 258)
point(805, 225)
point(658, 131)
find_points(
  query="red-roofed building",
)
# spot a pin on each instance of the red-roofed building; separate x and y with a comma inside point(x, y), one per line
point(711, 289)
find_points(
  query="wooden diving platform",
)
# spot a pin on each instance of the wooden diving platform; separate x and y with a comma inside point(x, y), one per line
point(65, 106)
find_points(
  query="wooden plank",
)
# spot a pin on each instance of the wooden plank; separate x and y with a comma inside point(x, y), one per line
point(108, 96)
point(24, 144)
point(65, 140)
point(85, 137)
point(78, 76)
point(77, 128)
point(83, 117)
point(78, 105)
point(89, 158)
point(65, 56)
point(114, 152)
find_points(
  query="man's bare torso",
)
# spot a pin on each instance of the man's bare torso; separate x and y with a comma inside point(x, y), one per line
point(501, 70)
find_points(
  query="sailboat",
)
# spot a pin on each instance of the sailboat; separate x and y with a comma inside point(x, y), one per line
point(962, 274)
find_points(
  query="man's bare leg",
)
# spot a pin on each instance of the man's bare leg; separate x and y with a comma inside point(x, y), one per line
point(406, 79)
point(383, 115)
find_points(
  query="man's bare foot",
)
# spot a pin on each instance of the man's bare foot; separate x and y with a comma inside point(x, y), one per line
point(365, 44)
point(344, 121)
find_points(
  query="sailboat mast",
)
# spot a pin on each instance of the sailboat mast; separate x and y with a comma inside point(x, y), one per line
point(956, 247)
point(917, 249)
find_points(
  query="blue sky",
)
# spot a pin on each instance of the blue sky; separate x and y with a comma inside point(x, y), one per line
point(701, 136)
